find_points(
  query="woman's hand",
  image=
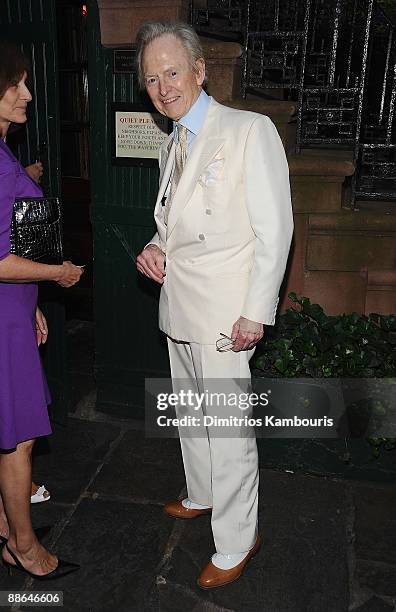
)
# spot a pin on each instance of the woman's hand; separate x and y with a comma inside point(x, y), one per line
point(35, 171)
point(69, 274)
point(41, 327)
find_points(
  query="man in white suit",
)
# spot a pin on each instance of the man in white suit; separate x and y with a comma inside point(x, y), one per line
point(224, 222)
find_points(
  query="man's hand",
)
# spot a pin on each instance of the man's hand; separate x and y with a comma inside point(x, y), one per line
point(41, 327)
point(246, 334)
point(151, 263)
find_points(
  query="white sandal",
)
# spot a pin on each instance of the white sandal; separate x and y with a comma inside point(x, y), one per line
point(38, 497)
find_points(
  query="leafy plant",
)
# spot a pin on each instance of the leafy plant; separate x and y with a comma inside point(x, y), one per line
point(388, 7)
point(308, 343)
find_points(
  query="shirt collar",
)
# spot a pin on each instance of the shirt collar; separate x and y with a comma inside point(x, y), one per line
point(195, 117)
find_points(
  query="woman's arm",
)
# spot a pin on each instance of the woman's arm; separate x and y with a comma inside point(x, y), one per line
point(15, 269)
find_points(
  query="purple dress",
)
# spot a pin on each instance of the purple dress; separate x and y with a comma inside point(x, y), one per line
point(23, 389)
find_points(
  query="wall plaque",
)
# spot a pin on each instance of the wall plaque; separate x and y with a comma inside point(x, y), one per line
point(138, 135)
point(124, 61)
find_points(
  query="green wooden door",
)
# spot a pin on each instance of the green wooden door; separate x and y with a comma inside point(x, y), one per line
point(32, 24)
point(129, 346)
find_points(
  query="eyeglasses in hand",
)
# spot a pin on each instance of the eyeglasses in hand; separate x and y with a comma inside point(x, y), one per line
point(224, 344)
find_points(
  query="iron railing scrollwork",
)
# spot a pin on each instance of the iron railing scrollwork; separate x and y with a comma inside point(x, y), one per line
point(376, 146)
point(336, 59)
point(219, 18)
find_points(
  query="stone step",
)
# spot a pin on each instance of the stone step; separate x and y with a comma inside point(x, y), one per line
point(382, 206)
point(121, 19)
point(381, 291)
point(280, 112)
point(344, 261)
point(337, 291)
point(220, 49)
point(317, 182)
point(323, 165)
point(345, 154)
point(351, 241)
point(283, 108)
point(223, 68)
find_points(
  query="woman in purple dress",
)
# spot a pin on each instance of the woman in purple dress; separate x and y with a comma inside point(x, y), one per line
point(23, 390)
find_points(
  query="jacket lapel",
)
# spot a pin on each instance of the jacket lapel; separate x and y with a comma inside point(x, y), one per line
point(166, 164)
point(164, 154)
point(205, 148)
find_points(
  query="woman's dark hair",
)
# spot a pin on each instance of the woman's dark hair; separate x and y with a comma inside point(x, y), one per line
point(13, 64)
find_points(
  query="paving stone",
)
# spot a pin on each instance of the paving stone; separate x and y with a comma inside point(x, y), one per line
point(328, 458)
point(80, 351)
point(119, 547)
point(79, 301)
point(375, 524)
point(67, 460)
point(176, 598)
point(80, 346)
point(375, 604)
point(81, 386)
point(11, 583)
point(379, 577)
point(302, 564)
point(143, 468)
point(49, 514)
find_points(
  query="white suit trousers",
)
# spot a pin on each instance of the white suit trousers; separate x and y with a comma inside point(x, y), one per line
point(221, 472)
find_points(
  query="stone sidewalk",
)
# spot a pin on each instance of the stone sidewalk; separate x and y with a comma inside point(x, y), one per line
point(328, 545)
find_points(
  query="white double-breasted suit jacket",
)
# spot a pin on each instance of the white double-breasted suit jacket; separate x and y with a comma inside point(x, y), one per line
point(229, 227)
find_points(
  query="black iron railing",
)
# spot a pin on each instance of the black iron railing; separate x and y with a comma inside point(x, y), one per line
point(336, 59)
point(376, 143)
point(219, 18)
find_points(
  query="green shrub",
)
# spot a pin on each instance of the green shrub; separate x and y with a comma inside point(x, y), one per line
point(308, 343)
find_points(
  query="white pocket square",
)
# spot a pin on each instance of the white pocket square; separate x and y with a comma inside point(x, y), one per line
point(212, 173)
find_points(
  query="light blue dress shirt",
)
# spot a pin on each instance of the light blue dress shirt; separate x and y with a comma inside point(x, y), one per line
point(193, 120)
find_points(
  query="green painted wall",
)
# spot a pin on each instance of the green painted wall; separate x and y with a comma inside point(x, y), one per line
point(129, 346)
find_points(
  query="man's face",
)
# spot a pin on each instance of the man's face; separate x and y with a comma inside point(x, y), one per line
point(171, 83)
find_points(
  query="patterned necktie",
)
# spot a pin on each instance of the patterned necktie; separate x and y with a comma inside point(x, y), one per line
point(180, 160)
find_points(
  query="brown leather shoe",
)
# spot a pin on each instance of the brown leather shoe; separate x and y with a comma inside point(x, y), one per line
point(212, 576)
point(177, 510)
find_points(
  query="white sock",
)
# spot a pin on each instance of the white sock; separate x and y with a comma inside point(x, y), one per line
point(226, 562)
point(187, 503)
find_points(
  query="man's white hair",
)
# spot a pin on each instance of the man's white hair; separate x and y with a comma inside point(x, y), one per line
point(150, 30)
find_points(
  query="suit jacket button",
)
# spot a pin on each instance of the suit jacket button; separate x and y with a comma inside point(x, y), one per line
point(201, 237)
point(208, 211)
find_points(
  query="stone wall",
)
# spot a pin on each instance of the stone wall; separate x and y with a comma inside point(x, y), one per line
point(121, 19)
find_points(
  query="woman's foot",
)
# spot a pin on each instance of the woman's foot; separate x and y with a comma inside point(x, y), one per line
point(35, 559)
point(39, 494)
point(4, 529)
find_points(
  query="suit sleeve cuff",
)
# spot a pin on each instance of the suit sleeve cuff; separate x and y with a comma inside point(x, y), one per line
point(157, 242)
point(266, 316)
